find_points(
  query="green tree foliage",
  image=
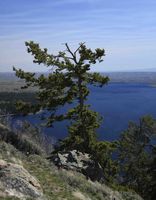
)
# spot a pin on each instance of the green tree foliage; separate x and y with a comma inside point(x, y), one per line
point(8, 100)
point(103, 153)
point(66, 83)
point(152, 172)
point(137, 154)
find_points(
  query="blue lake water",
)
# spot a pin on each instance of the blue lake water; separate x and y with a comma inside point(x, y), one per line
point(118, 103)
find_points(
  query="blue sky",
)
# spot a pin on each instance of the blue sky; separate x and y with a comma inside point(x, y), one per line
point(126, 29)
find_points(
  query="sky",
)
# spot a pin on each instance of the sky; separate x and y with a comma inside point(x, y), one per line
point(126, 29)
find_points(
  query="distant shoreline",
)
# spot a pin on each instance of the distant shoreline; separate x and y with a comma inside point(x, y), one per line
point(9, 78)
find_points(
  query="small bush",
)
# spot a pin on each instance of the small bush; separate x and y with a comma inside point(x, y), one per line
point(20, 140)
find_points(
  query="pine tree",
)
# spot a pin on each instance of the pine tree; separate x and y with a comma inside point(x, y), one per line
point(66, 83)
point(137, 156)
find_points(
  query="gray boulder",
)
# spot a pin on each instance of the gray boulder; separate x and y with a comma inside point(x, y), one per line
point(17, 182)
point(79, 162)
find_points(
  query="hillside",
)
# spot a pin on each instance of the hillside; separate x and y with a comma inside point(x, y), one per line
point(40, 179)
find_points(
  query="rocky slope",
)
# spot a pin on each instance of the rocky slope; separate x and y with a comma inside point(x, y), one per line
point(30, 176)
point(17, 181)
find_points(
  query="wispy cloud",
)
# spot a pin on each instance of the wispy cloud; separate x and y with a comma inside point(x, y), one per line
point(124, 28)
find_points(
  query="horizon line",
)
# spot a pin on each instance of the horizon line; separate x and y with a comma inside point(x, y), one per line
point(111, 71)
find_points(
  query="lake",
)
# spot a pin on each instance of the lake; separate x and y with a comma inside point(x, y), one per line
point(118, 103)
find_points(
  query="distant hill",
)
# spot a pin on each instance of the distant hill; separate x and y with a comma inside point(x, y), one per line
point(125, 77)
point(7, 76)
point(136, 77)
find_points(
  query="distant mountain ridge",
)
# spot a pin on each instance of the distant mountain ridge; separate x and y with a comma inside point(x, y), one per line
point(125, 77)
point(132, 77)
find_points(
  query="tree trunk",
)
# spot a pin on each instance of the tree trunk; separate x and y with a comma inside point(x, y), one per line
point(81, 100)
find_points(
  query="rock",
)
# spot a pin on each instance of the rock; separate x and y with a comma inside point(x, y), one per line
point(80, 162)
point(79, 195)
point(17, 182)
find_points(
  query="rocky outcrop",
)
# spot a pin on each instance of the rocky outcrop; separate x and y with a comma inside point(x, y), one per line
point(80, 162)
point(17, 182)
